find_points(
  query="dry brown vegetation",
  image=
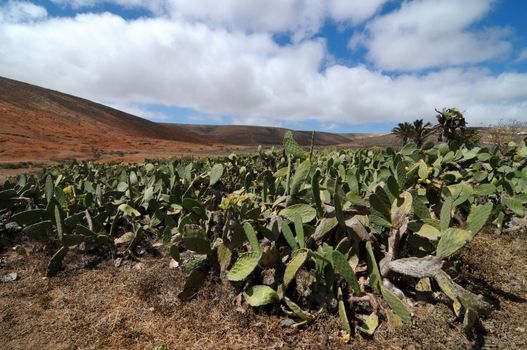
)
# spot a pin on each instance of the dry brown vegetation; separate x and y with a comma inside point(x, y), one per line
point(135, 306)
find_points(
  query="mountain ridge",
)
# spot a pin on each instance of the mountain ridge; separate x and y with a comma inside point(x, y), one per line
point(42, 125)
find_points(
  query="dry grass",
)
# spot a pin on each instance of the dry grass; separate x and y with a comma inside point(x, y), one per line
point(135, 306)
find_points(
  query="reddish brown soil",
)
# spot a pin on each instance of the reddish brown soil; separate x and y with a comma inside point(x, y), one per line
point(39, 127)
point(43, 126)
point(135, 306)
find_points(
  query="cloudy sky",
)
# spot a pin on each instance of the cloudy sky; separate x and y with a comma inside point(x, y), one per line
point(336, 65)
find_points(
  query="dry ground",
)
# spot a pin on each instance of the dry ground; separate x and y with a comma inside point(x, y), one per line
point(135, 306)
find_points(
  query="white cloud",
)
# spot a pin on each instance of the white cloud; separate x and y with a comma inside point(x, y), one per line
point(156, 60)
point(80, 4)
point(75, 3)
point(429, 33)
point(522, 56)
point(21, 11)
point(137, 110)
point(301, 18)
point(205, 119)
point(355, 11)
point(217, 71)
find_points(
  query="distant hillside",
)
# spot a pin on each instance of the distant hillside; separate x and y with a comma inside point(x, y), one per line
point(16, 97)
point(260, 135)
point(39, 125)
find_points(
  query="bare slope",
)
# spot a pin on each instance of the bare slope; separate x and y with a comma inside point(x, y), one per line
point(43, 125)
point(261, 135)
point(40, 126)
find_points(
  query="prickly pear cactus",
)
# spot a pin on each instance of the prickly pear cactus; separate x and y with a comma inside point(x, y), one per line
point(291, 147)
point(334, 231)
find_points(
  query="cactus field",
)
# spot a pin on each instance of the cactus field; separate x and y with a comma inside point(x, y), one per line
point(361, 235)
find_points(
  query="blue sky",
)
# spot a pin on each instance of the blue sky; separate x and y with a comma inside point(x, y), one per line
point(335, 65)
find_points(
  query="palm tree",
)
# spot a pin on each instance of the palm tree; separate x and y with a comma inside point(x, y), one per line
point(404, 131)
point(420, 131)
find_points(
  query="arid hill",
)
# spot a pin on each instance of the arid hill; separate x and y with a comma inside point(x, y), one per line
point(261, 135)
point(42, 126)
